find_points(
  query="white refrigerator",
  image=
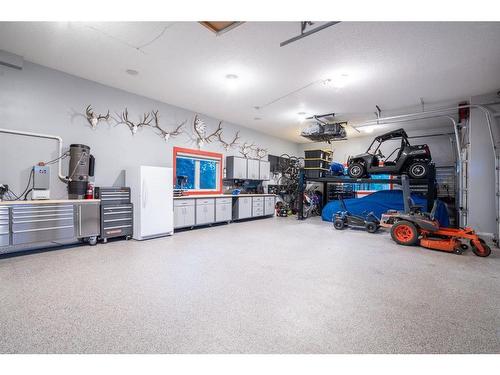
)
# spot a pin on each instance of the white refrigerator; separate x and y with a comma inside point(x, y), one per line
point(151, 190)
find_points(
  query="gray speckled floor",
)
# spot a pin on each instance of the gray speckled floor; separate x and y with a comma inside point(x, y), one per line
point(267, 286)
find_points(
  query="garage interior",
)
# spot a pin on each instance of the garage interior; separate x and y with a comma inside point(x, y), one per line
point(249, 187)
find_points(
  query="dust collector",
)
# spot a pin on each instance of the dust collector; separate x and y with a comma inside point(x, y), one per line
point(81, 166)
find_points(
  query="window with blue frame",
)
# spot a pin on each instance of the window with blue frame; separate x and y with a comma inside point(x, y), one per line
point(197, 172)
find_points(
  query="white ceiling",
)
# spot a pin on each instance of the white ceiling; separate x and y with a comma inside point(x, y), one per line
point(184, 64)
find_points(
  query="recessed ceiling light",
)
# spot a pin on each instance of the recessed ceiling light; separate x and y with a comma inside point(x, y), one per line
point(132, 72)
point(231, 76)
point(257, 118)
point(301, 113)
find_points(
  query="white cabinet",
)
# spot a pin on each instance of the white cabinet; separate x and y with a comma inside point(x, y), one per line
point(184, 213)
point(223, 209)
point(236, 167)
point(264, 170)
point(253, 167)
point(242, 209)
point(257, 206)
point(269, 203)
point(205, 211)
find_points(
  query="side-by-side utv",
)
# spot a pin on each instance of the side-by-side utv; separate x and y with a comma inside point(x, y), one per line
point(412, 160)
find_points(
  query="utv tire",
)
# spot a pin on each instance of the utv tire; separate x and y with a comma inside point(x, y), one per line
point(356, 170)
point(405, 233)
point(418, 170)
point(371, 227)
point(338, 224)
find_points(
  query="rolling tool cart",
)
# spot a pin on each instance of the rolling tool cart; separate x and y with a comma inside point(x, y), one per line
point(117, 212)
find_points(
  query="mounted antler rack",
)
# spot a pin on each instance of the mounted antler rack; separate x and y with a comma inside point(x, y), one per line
point(94, 119)
point(163, 133)
point(231, 144)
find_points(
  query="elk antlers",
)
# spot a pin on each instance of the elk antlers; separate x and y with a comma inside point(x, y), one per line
point(226, 145)
point(146, 121)
point(92, 118)
point(163, 133)
point(200, 129)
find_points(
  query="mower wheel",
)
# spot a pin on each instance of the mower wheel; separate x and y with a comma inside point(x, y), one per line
point(418, 169)
point(371, 227)
point(356, 170)
point(404, 233)
point(338, 224)
point(480, 249)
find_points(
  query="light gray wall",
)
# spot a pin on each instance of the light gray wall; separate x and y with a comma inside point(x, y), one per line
point(481, 176)
point(47, 101)
point(442, 150)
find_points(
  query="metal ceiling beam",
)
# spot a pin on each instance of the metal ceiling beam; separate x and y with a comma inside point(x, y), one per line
point(307, 33)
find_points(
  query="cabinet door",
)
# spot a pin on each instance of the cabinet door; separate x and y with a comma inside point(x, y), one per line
point(179, 216)
point(244, 207)
point(236, 167)
point(269, 205)
point(205, 214)
point(223, 212)
point(264, 170)
point(189, 216)
point(253, 169)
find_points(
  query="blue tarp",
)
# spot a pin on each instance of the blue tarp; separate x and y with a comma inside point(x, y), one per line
point(381, 201)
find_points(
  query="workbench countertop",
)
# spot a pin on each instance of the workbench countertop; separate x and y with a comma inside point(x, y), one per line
point(49, 201)
point(200, 196)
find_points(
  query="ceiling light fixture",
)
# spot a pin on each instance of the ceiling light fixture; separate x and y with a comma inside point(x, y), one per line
point(231, 76)
point(132, 72)
point(257, 118)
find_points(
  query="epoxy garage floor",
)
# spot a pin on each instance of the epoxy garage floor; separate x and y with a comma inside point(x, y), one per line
point(267, 286)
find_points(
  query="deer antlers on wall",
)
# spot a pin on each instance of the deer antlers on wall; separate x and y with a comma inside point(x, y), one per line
point(92, 118)
point(246, 149)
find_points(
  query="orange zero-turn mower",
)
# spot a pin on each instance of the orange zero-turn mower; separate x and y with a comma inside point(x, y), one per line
point(414, 227)
point(408, 232)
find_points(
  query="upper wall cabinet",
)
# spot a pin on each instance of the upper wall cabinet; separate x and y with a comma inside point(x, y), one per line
point(236, 167)
point(251, 169)
point(264, 170)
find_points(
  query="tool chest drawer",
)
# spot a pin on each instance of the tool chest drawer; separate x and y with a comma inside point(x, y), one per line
point(34, 223)
point(112, 195)
point(117, 220)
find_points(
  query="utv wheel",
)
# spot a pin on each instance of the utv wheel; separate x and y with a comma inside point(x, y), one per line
point(418, 170)
point(480, 248)
point(371, 227)
point(338, 224)
point(356, 170)
point(404, 233)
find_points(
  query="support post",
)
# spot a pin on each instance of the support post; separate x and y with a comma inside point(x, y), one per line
point(300, 193)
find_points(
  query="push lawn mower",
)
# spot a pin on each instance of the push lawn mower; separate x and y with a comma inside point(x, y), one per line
point(345, 218)
point(414, 227)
